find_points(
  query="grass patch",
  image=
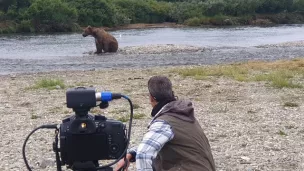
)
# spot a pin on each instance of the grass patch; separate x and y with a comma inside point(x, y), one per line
point(138, 115)
point(195, 21)
point(278, 79)
point(279, 74)
point(49, 84)
point(34, 116)
point(282, 133)
point(291, 104)
point(283, 82)
point(136, 106)
point(124, 118)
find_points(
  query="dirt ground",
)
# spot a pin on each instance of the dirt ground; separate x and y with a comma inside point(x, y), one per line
point(247, 123)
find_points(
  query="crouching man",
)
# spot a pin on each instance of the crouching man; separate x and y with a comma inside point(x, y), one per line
point(175, 140)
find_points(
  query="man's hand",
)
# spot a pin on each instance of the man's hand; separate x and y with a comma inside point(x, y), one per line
point(121, 163)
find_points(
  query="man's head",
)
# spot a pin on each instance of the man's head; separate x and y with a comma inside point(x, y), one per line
point(160, 89)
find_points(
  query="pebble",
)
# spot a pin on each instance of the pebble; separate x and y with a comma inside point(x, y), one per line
point(44, 163)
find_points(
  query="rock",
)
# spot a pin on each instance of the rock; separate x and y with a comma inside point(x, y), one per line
point(245, 160)
point(44, 163)
point(58, 87)
point(13, 77)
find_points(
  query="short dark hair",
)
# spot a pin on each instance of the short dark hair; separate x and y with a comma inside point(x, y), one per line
point(160, 87)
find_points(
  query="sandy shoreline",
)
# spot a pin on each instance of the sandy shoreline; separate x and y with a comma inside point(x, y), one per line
point(248, 126)
point(146, 56)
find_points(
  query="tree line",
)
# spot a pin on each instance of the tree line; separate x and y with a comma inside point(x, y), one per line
point(69, 15)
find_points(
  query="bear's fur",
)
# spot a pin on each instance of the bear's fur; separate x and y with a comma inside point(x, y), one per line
point(103, 40)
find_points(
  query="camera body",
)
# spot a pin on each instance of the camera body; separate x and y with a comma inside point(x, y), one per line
point(85, 137)
point(92, 138)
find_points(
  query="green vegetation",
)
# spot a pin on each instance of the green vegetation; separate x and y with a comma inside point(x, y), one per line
point(34, 116)
point(49, 84)
point(291, 104)
point(69, 15)
point(136, 106)
point(138, 115)
point(282, 133)
point(278, 79)
point(279, 74)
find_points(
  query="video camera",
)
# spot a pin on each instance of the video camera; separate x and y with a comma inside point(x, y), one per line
point(85, 138)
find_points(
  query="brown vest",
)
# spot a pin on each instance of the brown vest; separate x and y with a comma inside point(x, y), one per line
point(189, 150)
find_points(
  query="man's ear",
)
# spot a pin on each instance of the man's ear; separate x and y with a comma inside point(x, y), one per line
point(152, 99)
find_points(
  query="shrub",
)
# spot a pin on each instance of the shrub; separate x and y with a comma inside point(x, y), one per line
point(193, 21)
point(25, 26)
point(49, 84)
point(94, 12)
point(182, 11)
point(52, 15)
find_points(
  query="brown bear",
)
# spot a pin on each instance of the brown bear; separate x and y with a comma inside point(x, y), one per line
point(103, 40)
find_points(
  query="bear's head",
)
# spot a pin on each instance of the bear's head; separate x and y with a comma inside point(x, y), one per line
point(88, 31)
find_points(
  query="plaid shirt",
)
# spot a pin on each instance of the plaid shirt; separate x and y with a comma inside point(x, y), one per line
point(159, 134)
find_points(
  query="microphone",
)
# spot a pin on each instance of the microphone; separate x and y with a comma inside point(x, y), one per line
point(107, 96)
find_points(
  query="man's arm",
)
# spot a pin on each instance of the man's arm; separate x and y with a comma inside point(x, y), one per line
point(159, 134)
point(131, 154)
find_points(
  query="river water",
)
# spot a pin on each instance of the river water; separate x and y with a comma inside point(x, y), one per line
point(49, 52)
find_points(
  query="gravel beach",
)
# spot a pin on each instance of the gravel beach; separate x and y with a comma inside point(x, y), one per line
point(248, 124)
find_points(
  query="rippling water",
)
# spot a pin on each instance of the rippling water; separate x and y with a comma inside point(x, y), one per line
point(52, 46)
point(50, 52)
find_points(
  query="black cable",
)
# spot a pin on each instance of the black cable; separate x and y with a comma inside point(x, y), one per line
point(58, 162)
point(25, 141)
point(131, 120)
point(129, 133)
